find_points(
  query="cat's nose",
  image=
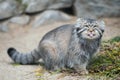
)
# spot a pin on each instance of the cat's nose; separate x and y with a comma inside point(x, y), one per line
point(91, 35)
point(91, 30)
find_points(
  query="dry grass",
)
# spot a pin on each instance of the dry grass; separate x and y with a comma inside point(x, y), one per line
point(108, 62)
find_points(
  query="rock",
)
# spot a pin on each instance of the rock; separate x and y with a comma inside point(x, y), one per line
point(97, 8)
point(4, 27)
point(50, 16)
point(57, 4)
point(22, 20)
point(8, 8)
point(35, 5)
point(40, 5)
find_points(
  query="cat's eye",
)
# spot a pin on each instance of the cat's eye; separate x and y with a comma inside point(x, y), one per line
point(86, 25)
point(95, 26)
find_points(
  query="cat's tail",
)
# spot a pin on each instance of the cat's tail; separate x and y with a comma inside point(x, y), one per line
point(21, 58)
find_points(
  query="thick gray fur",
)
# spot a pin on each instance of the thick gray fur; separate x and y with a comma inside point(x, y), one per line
point(62, 47)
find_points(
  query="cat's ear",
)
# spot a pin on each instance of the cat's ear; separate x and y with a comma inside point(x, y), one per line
point(78, 22)
point(101, 24)
point(80, 19)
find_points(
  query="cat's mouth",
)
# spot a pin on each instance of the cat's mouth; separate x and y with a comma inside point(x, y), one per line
point(91, 36)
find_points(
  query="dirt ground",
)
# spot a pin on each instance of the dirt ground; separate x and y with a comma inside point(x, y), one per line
point(26, 38)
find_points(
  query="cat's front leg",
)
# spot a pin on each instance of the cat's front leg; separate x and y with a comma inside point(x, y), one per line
point(81, 69)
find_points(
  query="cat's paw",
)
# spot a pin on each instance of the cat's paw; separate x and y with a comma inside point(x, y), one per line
point(82, 72)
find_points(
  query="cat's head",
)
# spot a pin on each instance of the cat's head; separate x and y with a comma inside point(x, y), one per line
point(89, 28)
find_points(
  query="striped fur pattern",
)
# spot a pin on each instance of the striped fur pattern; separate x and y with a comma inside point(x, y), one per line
point(71, 46)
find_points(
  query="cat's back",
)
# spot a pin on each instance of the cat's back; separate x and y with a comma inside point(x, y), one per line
point(58, 37)
point(60, 33)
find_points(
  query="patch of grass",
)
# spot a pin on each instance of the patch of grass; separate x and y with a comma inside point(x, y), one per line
point(39, 72)
point(40, 79)
point(108, 62)
point(116, 39)
point(15, 64)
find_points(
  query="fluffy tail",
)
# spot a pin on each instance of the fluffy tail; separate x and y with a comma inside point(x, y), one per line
point(21, 58)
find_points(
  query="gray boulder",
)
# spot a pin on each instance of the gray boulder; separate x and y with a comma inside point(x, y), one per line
point(97, 8)
point(4, 27)
point(8, 8)
point(50, 16)
point(22, 20)
point(40, 5)
point(57, 4)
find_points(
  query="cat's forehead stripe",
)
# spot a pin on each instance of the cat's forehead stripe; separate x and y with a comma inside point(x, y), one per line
point(89, 23)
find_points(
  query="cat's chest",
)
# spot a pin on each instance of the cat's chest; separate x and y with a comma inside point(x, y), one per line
point(89, 49)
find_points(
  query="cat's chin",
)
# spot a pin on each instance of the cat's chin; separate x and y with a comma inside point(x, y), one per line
point(90, 38)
